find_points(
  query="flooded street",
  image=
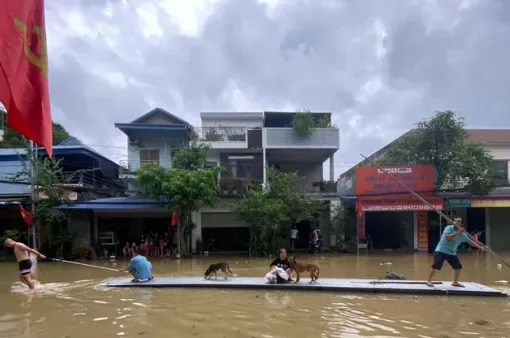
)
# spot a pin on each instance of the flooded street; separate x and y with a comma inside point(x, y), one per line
point(71, 305)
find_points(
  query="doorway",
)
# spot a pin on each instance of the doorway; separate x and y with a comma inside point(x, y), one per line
point(390, 230)
point(475, 222)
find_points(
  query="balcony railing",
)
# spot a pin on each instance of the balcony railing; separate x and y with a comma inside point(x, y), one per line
point(236, 186)
point(130, 167)
point(320, 187)
point(287, 138)
point(221, 134)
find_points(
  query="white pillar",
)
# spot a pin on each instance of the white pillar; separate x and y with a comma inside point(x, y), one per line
point(264, 159)
point(332, 168)
point(264, 167)
point(415, 229)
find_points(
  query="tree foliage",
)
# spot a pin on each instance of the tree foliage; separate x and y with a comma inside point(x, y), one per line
point(441, 142)
point(50, 183)
point(304, 123)
point(13, 139)
point(185, 188)
point(270, 212)
point(190, 158)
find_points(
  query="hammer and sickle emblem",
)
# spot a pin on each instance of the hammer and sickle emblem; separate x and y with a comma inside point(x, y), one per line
point(40, 62)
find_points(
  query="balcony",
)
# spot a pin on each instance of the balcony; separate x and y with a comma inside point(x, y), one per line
point(321, 138)
point(128, 168)
point(235, 187)
point(320, 187)
point(223, 137)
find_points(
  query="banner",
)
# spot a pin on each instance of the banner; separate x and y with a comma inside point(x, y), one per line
point(374, 181)
point(399, 204)
point(174, 219)
point(422, 219)
point(24, 70)
point(478, 202)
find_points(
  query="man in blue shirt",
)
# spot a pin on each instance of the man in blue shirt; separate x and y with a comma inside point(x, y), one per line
point(446, 250)
point(140, 268)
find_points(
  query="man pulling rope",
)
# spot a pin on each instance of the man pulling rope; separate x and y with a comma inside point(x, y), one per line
point(446, 250)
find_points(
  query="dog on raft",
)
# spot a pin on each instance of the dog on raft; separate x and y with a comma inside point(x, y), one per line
point(214, 268)
point(394, 276)
point(299, 268)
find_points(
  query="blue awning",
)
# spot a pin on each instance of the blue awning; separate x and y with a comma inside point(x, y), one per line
point(115, 203)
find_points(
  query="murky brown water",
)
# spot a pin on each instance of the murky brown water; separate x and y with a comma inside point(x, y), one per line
point(72, 305)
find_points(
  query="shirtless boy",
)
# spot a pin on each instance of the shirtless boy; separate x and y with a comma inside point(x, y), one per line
point(22, 253)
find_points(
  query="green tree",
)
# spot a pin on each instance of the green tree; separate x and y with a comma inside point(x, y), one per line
point(190, 158)
point(441, 142)
point(270, 212)
point(304, 122)
point(184, 189)
point(51, 188)
point(13, 139)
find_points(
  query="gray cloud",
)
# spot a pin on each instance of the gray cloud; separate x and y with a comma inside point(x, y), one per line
point(378, 65)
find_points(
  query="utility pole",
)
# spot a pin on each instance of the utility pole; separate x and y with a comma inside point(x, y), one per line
point(33, 159)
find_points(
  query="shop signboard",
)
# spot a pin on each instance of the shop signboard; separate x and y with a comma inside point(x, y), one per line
point(458, 202)
point(481, 202)
point(374, 181)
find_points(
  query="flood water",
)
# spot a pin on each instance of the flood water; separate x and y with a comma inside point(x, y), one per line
point(71, 304)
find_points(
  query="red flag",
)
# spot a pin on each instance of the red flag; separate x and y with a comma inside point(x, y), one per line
point(174, 219)
point(27, 217)
point(24, 70)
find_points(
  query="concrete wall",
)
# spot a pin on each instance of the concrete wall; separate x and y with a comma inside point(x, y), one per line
point(221, 220)
point(325, 227)
point(239, 123)
point(223, 206)
point(165, 153)
point(287, 138)
point(499, 152)
point(498, 228)
point(307, 173)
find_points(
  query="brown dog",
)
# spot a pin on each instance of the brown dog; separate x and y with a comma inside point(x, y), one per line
point(213, 268)
point(304, 267)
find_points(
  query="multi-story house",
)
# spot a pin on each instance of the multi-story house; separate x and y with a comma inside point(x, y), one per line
point(244, 144)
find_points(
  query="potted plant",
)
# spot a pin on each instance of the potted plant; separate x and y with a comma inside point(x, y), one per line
point(303, 123)
point(213, 135)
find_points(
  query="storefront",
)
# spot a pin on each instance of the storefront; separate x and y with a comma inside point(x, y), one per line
point(398, 223)
point(389, 216)
point(497, 216)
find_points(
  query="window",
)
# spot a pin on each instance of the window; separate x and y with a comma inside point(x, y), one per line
point(501, 173)
point(210, 164)
point(240, 169)
point(149, 156)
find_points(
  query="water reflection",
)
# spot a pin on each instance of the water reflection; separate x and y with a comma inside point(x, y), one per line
point(71, 303)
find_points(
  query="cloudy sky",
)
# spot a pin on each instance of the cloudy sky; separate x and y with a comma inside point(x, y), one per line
point(379, 66)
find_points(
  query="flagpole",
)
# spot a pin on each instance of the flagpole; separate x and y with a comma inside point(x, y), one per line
point(32, 189)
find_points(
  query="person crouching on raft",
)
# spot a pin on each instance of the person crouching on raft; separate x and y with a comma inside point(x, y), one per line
point(282, 262)
point(21, 251)
point(446, 250)
point(140, 268)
